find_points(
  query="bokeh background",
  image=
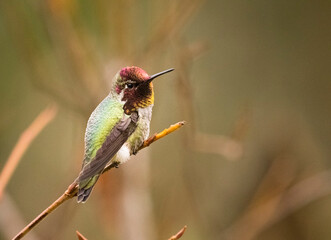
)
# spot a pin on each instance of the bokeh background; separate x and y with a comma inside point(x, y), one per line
point(252, 80)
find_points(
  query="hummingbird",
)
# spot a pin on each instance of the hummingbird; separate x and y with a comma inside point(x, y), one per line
point(118, 126)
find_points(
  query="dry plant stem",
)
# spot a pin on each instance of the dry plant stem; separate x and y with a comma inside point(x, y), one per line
point(44, 214)
point(179, 234)
point(73, 188)
point(80, 236)
point(162, 134)
point(23, 143)
point(11, 219)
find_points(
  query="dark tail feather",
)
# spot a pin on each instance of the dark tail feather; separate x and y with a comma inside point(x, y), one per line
point(83, 194)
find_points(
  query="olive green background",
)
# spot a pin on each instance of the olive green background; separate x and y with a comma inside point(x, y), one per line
point(252, 80)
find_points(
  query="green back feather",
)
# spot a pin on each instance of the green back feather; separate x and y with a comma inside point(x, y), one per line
point(101, 121)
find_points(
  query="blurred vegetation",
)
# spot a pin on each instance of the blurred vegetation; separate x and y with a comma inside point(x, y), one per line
point(252, 80)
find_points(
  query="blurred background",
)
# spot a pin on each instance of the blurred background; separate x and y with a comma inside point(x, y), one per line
point(252, 80)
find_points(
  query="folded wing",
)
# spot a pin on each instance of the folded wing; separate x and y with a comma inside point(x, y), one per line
point(114, 141)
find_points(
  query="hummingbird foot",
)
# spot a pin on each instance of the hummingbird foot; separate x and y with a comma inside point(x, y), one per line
point(112, 164)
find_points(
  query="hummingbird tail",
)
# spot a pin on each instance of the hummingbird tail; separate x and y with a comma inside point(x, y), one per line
point(83, 194)
point(85, 189)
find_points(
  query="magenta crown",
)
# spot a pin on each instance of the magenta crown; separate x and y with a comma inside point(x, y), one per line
point(134, 73)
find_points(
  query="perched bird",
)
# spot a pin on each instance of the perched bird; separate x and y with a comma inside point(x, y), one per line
point(118, 126)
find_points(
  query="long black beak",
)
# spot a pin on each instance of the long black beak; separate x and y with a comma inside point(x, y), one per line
point(159, 74)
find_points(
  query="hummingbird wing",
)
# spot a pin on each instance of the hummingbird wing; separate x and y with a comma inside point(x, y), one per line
point(114, 141)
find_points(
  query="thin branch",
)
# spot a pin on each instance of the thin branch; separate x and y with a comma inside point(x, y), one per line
point(162, 134)
point(80, 236)
point(73, 188)
point(11, 219)
point(41, 121)
point(179, 234)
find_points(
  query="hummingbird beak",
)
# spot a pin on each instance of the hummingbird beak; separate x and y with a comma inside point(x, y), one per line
point(151, 78)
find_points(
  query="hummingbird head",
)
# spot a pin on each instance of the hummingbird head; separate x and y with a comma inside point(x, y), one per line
point(134, 86)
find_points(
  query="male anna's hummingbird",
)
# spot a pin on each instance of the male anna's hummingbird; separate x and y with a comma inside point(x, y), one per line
point(118, 126)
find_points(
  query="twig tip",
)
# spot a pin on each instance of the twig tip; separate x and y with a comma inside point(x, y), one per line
point(80, 236)
point(182, 123)
point(179, 234)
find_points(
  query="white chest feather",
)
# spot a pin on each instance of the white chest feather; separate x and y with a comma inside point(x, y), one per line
point(123, 154)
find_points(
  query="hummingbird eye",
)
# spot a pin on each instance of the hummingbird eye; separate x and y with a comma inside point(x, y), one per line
point(130, 85)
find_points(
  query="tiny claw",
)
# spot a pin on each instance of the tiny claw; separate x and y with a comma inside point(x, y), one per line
point(114, 164)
